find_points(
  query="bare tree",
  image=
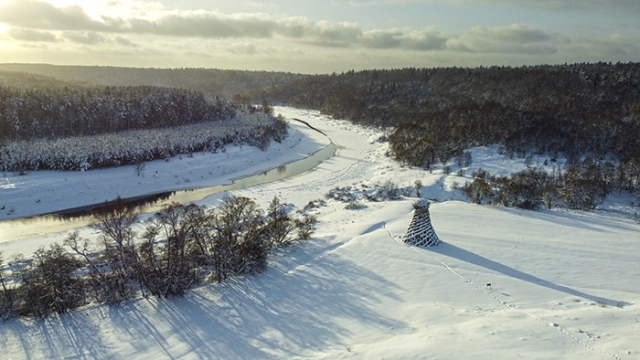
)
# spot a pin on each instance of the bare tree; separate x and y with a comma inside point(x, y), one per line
point(6, 296)
point(170, 269)
point(115, 221)
point(279, 224)
point(139, 168)
point(240, 242)
point(477, 190)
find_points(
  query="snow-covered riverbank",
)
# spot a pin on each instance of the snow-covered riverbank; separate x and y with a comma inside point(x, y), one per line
point(41, 192)
point(563, 283)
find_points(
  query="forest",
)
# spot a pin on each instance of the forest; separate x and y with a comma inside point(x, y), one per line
point(54, 126)
point(586, 113)
point(53, 113)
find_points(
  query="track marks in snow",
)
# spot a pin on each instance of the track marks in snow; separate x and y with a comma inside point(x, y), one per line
point(6, 183)
point(505, 304)
point(334, 178)
point(513, 307)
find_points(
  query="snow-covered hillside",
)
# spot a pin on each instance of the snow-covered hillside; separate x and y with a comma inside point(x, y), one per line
point(564, 284)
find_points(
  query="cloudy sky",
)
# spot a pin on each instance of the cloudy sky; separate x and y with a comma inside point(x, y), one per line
point(320, 36)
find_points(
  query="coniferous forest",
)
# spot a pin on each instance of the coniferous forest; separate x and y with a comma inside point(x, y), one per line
point(588, 114)
point(53, 113)
point(52, 126)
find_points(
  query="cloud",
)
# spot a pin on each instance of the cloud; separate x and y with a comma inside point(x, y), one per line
point(382, 39)
point(552, 5)
point(242, 49)
point(516, 38)
point(41, 15)
point(204, 24)
point(254, 25)
point(84, 37)
point(212, 25)
point(31, 35)
point(617, 46)
point(36, 14)
point(569, 5)
point(324, 33)
point(425, 40)
point(125, 42)
point(134, 28)
point(516, 33)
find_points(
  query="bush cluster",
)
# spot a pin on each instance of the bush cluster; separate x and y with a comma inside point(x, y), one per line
point(378, 192)
point(582, 186)
point(181, 246)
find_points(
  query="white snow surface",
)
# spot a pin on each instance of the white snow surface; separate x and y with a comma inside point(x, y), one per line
point(564, 284)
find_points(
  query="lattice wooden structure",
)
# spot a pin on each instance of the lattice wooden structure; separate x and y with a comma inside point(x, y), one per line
point(421, 232)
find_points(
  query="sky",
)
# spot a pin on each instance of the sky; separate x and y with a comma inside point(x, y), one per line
point(305, 36)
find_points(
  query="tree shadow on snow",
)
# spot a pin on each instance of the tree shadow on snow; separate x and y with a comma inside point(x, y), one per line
point(475, 259)
point(582, 220)
point(288, 311)
point(313, 300)
point(67, 336)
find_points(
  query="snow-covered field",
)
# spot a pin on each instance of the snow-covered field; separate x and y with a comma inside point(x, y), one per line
point(564, 284)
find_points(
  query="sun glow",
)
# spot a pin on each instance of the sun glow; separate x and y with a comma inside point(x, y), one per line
point(96, 8)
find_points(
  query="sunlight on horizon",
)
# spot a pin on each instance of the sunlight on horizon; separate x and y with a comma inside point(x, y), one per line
point(309, 37)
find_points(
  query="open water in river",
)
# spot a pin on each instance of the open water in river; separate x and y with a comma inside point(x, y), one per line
point(77, 217)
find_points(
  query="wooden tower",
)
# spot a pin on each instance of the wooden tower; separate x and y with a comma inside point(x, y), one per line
point(421, 232)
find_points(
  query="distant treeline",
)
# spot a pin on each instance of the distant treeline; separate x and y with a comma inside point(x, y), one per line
point(212, 83)
point(55, 112)
point(572, 110)
point(50, 124)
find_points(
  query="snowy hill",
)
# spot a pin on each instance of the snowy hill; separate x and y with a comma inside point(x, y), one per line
point(564, 284)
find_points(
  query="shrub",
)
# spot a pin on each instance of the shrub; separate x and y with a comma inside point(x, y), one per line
point(389, 190)
point(278, 223)
point(418, 185)
point(477, 190)
point(50, 283)
point(355, 206)
point(305, 226)
point(344, 194)
point(181, 245)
